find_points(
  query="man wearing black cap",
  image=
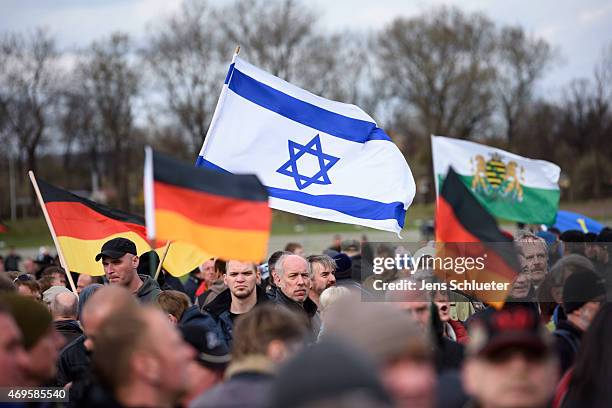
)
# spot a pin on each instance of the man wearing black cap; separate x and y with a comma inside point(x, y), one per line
point(209, 364)
point(583, 292)
point(511, 361)
point(120, 261)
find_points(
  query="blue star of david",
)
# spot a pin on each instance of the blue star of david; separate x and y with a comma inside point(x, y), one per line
point(296, 150)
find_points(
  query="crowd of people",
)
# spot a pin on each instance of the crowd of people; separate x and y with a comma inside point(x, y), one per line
point(302, 330)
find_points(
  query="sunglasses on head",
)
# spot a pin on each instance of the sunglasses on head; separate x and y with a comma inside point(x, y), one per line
point(23, 278)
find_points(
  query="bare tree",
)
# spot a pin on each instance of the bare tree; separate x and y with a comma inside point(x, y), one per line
point(113, 83)
point(183, 54)
point(270, 32)
point(523, 61)
point(439, 69)
point(28, 94)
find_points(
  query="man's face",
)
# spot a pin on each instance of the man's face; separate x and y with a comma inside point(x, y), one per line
point(42, 361)
point(13, 358)
point(323, 277)
point(92, 321)
point(511, 378)
point(208, 273)
point(26, 291)
point(240, 278)
point(172, 366)
point(441, 301)
point(83, 282)
point(59, 279)
point(295, 281)
point(521, 285)
point(534, 259)
point(411, 383)
point(122, 270)
point(419, 311)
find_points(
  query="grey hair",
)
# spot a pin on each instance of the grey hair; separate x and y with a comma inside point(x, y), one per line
point(523, 236)
point(65, 308)
point(279, 267)
point(327, 262)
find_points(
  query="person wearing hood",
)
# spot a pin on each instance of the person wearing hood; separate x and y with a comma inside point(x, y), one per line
point(293, 282)
point(240, 297)
point(120, 261)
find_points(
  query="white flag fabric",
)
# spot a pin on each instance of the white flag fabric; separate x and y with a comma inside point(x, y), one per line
point(318, 158)
point(509, 186)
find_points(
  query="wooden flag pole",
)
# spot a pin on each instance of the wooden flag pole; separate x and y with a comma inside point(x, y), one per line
point(163, 258)
point(52, 230)
point(237, 50)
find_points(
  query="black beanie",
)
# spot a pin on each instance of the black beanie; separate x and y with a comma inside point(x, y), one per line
point(343, 266)
point(581, 287)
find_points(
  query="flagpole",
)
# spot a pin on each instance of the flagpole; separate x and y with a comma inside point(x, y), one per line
point(58, 248)
point(163, 258)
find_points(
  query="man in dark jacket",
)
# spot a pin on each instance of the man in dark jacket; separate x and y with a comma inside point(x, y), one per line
point(74, 365)
point(120, 261)
point(582, 293)
point(241, 295)
point(264, 338)
point(64, 310)
point(293, 282)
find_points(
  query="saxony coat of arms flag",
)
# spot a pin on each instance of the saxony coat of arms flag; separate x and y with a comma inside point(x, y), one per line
point(509, 186)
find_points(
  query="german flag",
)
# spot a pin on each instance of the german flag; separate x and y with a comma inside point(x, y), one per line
point(466, 230)
point(226, 215)
point(82, 226)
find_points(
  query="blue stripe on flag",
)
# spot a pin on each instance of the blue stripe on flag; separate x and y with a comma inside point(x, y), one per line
point(229, 74)
point(353, 206)
point(310, 115)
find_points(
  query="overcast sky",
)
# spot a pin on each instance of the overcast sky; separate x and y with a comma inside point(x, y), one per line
point(578, 29)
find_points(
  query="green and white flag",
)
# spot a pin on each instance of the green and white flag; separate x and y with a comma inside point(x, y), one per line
point(509, 186)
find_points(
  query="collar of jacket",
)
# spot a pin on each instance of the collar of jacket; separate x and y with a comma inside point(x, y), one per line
point(223, 301)
point(308, 306)
point(250, 364)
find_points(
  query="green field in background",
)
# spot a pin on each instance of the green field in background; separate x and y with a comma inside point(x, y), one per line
point(33, 232)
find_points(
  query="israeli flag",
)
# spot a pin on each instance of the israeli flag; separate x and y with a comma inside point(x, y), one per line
point(318, 158)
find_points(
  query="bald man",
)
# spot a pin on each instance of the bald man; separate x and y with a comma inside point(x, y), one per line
point(64, 308)
point(74, 362)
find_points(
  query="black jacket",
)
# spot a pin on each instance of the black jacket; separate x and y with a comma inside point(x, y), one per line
point(70, 329)
point(308, 307)
point(567, 342)
point(219, 310)
point(74, 365)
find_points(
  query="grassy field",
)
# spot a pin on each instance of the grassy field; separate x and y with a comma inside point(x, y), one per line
point(33, 232)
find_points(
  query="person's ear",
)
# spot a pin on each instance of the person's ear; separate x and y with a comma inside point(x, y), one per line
point(135, 261)
point(146, 366)
point(276, 278)
point(258, 276)
point(172, 318)
point(225, 279)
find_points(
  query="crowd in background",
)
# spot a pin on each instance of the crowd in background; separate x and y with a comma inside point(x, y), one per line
point(306, 330)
